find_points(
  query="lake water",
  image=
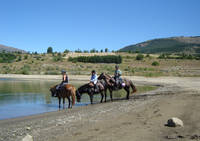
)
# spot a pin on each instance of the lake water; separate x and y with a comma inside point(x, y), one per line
point(28, 97)
point(24, 97)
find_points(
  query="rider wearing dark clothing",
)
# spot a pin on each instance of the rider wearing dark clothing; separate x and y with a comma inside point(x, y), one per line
point(65, 80)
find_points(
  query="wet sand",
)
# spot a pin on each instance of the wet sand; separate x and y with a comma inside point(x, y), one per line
point(143, 117)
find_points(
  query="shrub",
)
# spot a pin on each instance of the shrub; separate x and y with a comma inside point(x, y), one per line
point(97, 59)
point(57, 58)
point(148, 55)
point(155, 63)
point(25, 69)
point(7, 57)
point(19, 59)
point(25, 57)
point(162, 56)
point(140, 57)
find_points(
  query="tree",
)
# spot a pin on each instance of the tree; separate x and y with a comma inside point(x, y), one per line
point(50, 50)
point(66, 51)
point(101, 50)
point(92, 50)
point(78, 51)
point(106, 49)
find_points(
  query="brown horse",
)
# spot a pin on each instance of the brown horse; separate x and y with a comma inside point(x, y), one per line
point(110, 83)
point(65, 91)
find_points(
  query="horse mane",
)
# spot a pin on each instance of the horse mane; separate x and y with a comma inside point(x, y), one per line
point(83, 86)
point(107, 75)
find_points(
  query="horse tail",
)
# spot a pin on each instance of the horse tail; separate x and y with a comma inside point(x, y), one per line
point(73, 96)
point(133, 87)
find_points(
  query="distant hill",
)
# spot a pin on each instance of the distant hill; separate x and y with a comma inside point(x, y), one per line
point(10, 49)
point(167, 45)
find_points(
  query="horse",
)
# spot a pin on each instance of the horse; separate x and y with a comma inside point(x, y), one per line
point(86, 88)
point(65, 91)
point(110, 84)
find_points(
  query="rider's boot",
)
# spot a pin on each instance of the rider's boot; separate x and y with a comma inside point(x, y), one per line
point(96, 89)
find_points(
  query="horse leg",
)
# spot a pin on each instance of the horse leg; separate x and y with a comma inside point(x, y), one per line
point(105, 95)
point(91, 98)
point(102, 97)
point(111, 98)
point(69, 101)
point(63, 103)
point(59, 101)
point(127, 91)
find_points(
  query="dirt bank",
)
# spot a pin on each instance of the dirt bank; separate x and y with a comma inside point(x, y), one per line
point(140, 118)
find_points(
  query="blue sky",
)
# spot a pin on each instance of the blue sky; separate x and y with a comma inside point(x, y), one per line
point(34, 25)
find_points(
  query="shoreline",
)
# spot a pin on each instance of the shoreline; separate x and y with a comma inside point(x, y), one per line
point(143, 114)
point(75, 77)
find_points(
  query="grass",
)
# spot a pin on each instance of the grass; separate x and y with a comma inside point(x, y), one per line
point(47, 64)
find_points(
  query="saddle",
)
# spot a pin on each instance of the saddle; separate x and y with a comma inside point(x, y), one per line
point(98, 87)
point(118, 83)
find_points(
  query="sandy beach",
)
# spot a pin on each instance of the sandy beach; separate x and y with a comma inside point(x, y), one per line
point(143, 117)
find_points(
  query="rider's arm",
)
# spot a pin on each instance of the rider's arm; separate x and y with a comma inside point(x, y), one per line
point(119, 73)
point(64, 77)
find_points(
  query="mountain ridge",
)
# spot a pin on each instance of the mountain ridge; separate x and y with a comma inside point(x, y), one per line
point(10, 49)
point(179, 44)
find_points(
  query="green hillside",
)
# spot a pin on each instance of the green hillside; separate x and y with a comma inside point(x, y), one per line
point(167, 45)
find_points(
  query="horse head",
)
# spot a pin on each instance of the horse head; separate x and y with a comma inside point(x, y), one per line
point(101, 76)
point(53, 91)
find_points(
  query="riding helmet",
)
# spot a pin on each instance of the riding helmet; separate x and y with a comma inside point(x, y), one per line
point(93, 71)
point(63, 71)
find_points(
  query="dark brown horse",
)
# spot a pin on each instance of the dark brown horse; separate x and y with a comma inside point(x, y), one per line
point(90, 91)
point(110, 84)
point(66, 91)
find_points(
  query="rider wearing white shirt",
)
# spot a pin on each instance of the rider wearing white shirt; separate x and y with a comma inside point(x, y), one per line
point(94, 79)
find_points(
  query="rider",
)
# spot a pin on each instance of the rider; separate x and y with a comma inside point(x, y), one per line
point(64, 79)
point(93, 80)
point(117, 76)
